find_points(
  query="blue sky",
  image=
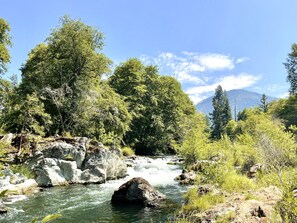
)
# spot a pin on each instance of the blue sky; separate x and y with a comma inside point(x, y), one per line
point(203, 43)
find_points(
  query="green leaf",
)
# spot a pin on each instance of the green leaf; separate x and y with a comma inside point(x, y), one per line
point(50, 218)
point(2, 193)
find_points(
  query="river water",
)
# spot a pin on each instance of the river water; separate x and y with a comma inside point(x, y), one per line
point(91, 203)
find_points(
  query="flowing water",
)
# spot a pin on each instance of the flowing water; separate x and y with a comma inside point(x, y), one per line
point(91, 203)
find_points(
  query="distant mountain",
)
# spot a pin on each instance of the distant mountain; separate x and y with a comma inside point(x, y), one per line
point(244, 99)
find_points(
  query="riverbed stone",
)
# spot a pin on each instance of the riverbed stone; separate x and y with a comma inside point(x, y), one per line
point(186, 177)
point(137, 191)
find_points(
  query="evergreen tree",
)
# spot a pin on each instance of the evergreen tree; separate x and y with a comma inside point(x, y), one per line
point(291, 66)
point(221, 112)
point(263, 104)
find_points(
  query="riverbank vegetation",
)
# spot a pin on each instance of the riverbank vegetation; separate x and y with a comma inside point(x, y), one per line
point(241, 158)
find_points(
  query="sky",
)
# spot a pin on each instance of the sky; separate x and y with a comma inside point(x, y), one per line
point(203, 43)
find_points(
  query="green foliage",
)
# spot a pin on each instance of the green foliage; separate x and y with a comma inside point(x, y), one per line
point(22, 169)
point(161, 111)
point(221, 114)
point(3, 193)
point(276, 147)
point(25, 115)
point(196, 144)
point(128, 151)
point(51, 217)
point(285, 109)
point(226, 218)
point(291, 66)
point(198, 203)
point(230, 129)
point(102, 115)
point(64, 70)
point(263, 104)
point(5, 41)
point(287, 207)
point(234, 182)
point(47, 218)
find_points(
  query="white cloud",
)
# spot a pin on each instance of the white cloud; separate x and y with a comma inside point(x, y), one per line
point(189, 66)
point(242, 60)
point(196, 69)
point(230, 82)
point(216, 62)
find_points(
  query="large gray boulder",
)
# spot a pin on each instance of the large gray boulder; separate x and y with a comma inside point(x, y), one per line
point(69, 162)
point(137, 191)
point(74, 151)
point(108, 161)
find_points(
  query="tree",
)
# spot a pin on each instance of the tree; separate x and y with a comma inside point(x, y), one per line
point(5, 41)
point(25, 115)
point(160, 109)
point(221, 113)
point(291, 66)
point(263, 103)
point(64, 69)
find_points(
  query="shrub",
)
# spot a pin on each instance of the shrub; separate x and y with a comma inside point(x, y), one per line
point(287, 207)
point(22, 169)
point(236, 183)
point(198, 203)
point(127, 151)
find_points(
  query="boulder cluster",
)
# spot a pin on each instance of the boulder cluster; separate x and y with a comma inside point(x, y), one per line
point(75, 161)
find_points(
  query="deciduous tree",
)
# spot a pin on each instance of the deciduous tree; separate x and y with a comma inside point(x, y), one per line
point(5, 42)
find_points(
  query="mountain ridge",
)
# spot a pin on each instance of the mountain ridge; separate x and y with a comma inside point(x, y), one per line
point(244, 99)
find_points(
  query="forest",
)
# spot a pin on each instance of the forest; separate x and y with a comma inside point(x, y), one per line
point(69, 88)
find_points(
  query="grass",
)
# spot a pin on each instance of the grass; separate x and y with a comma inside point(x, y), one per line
point(237, 183)
point(200, 203)
point(226, 218)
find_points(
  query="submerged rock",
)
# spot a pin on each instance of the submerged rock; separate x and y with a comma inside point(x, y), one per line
point(137, 191)
point(3, 209)
point(69, 161)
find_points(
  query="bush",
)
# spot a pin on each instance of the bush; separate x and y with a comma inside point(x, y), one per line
point(22, 169)
point(127, 151)
point(199, 203)
point(287, 207)
point(236, 183)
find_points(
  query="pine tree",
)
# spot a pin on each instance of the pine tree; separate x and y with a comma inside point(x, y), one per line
point(221, 112)
point(263, 104)
point(291, 66)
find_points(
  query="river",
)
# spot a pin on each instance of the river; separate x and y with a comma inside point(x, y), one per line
point(91, 203)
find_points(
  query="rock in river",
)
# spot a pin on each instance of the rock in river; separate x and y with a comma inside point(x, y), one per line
point(137, 191)
point(68, 162)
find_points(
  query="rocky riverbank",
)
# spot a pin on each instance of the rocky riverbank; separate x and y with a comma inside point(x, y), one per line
point(75, 161)
point(60, 161)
